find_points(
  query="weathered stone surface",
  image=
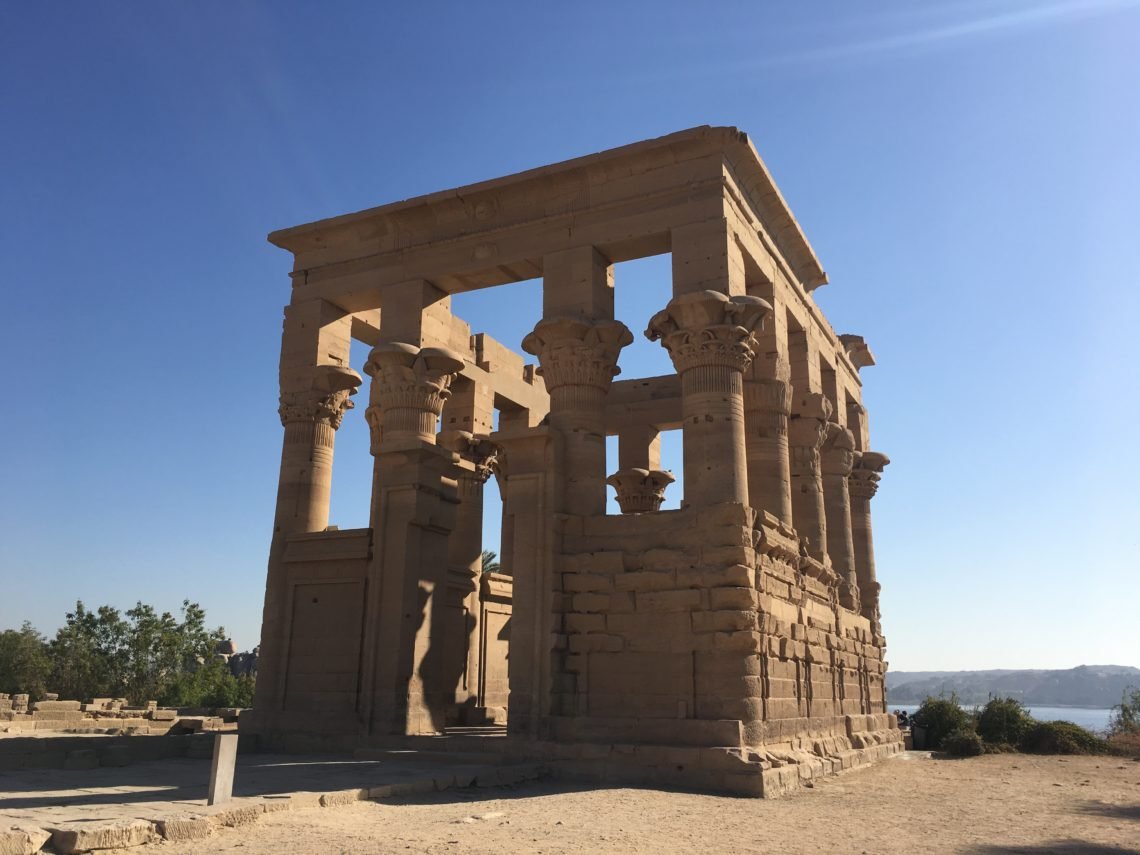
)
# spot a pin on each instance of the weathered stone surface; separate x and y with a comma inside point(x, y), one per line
point(54, 705)
point(177, 829)
point(22, 839)
point(343, 797)
point(95, 835)
point(235, 816)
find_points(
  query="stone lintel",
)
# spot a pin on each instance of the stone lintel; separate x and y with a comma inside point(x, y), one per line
point(613, 183)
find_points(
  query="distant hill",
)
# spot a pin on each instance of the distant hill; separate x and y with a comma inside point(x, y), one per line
point(1083, 686)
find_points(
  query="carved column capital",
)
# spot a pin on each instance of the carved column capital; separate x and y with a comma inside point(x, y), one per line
point(807, 430)
point(375, 432)
point(574, 352)
point(411, 385)
point(485, 454)
point(319, 405)
point(837, 454)
point(708, 328)
point(640, 491)
point(866, 473)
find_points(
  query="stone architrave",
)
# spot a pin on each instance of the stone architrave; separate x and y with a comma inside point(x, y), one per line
point(806, 431)
point(640, 491)
point(711, 339)
point(862, 485)
point(836, 459)
point(578, 361)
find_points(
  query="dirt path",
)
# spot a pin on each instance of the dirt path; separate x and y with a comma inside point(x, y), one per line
point(911, 804)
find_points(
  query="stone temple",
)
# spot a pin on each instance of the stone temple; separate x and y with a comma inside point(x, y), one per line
point(733, 644)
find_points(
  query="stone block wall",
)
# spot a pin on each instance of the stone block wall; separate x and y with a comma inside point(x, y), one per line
point(709, 628)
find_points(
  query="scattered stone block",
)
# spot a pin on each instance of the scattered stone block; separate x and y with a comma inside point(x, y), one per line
point(46, 705)
point(234, 817)
point(86, 837)
point(177, 829)
point(22, 839)
point(343, 797)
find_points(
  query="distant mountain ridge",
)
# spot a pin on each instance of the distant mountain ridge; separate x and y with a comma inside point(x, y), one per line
point(1083, 686)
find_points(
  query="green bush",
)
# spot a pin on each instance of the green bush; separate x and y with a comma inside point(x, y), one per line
point(1003, 721)
point(963, 743)
point(941, 717)
point(1126, 714)
point(1061, 737)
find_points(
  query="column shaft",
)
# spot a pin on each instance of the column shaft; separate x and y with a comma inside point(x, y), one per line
point(806, 431)
point(836, 460)
point(578, 361)
point(710, 338)
point(862, 486)
point(766, 408)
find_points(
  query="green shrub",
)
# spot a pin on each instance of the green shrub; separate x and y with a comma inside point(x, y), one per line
point(941, 717)
point(1126, 714)
point(963, 743)
point(1003, 721)
point(1061, 737)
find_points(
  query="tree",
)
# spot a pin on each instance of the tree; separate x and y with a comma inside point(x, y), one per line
point(25, 666)
point(1126, 714)
point(142, 656)
point(490, 561)
point(88, 653)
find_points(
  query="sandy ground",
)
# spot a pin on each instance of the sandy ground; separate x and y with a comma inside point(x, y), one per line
point(912, 804)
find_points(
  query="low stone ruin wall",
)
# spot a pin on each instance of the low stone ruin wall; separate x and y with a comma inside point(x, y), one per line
point(77, 752)
point(107, 716)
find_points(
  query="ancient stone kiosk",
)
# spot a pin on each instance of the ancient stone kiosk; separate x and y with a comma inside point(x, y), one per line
point(733, 644)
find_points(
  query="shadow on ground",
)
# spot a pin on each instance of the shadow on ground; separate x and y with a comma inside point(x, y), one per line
point(186, 780)
point(1059, 847)
point(1111, 811)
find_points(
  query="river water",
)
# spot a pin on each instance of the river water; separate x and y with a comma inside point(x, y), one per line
point(1091, 718)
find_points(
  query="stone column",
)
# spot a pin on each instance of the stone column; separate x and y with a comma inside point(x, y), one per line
point(836, 459)
point(311, 418)
point(711, 339)
point(806, 431)
point(415, 498)
point(862, 486)
point(465, 562)
point(767, 406)
point(578, 361)
point(316, 389)
point(530, 532)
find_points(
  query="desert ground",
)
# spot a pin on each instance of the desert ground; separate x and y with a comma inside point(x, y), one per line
point(911, 804)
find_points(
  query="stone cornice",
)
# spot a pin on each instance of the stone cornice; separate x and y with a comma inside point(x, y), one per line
point(483, 207)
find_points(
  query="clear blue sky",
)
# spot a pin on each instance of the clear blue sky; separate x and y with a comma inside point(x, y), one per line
point(968, 172)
